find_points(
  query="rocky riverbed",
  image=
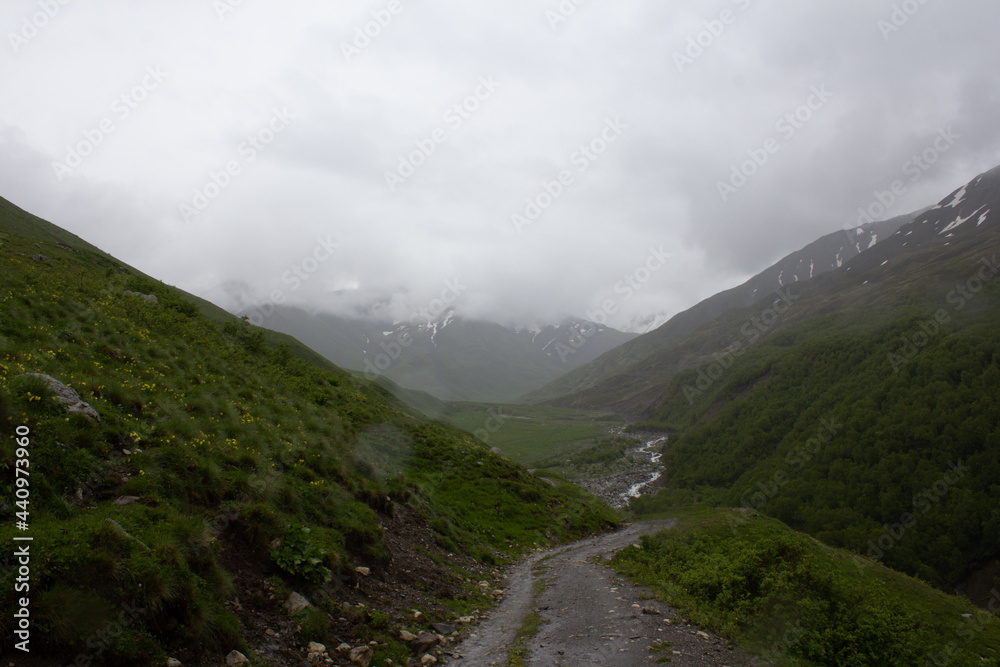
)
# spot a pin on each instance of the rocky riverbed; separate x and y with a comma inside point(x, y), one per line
point(638, 473)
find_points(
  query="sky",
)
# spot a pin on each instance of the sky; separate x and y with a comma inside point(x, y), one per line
point(523, 160)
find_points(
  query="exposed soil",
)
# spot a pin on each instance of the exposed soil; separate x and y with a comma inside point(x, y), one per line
point(591, 616)
point(413, 581)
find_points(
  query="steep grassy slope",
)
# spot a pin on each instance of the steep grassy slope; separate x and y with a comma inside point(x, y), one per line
point(218, 453)
point(869, 417)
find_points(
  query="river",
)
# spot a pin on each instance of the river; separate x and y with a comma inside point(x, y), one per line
point(654, 458)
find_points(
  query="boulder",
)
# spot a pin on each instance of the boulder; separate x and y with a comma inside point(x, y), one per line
point(407, 636)
point(317, 654)
point(296, 603)
point(67, 396)
point(363, 571)
point(145, 297)
point(171, 662)
point(235, 659)
point(444, 628)
point(428, 659)
point(425, 641)
point(362, 655)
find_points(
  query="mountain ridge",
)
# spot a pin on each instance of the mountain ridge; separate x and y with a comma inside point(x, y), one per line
point(827, 253)
point(451, 357)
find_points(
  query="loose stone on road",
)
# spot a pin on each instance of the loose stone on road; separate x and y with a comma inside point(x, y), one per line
point(591, 616)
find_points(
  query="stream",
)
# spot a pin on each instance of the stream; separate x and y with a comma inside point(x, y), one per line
point(618, 487)
point(654, 458)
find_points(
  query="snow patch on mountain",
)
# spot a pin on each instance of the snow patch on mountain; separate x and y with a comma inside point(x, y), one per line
point(959, 197)
point(961, 221)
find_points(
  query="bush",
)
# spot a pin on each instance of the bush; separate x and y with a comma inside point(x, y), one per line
point(300, 557)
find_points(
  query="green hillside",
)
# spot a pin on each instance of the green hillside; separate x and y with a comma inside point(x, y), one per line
point(869, 417)
point(798, 602)
point(226, 462)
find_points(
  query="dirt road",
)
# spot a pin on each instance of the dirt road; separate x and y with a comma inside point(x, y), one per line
point(590, 616)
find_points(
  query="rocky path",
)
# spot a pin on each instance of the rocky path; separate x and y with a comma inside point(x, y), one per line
point(590, 616)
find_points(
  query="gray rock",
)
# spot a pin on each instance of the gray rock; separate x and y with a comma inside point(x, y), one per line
point(126, 500)
point(317, 654)
point(67, 396)
point(40, 258)
point(235, 659)
point(296, 603)
point(145, 297)
point(362, 655)
point(425, 641)
point(443, 628)
point(171, 662)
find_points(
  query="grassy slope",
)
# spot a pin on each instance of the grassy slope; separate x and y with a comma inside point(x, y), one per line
point(215, 429)
point(795, 601)
point(755, 436)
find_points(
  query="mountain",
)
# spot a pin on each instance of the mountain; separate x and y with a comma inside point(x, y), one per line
point(450, 358)
point(965, 211)
point(821, 256)
point(862, 407)
point(574, 341)
point(187, 474)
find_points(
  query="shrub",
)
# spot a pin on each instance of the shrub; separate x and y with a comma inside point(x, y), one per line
point(300, 557)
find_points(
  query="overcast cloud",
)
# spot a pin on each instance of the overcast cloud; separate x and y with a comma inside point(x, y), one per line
point(287, 123)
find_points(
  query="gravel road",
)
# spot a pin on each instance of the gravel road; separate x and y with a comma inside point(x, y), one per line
point(590, 615)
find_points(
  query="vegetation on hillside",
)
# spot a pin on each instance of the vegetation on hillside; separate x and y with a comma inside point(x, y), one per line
point(214, 442)
point(795, 601)
point(873, 427)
